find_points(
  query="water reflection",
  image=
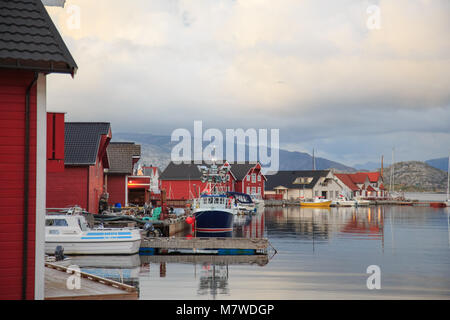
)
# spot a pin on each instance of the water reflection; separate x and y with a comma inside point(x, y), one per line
point(319, 225)
point(213, 280)
point(125, 269)
point(322, 253)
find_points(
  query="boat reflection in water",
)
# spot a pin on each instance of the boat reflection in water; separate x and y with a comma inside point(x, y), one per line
point(125, 268)
point(213, 280)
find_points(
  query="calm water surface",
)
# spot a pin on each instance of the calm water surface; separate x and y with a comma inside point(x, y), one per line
point(322, 254)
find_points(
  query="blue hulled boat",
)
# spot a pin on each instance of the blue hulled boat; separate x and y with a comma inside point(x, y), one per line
point(214, 215)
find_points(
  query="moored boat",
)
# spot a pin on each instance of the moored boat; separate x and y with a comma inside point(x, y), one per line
point(344, 202)
point(316, 203)
point(73, 234)
point(214, 215)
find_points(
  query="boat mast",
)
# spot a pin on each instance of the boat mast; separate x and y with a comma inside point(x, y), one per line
point(448, 179)
point(313, 161)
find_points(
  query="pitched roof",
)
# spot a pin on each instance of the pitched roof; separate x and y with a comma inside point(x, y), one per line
point(120, 156)
point(345, 178)
point(190, 171)
point(29, 40)
point(370, 188)
point(287, 179)
point(373, 176)
point(82, 141)
point(358, 177)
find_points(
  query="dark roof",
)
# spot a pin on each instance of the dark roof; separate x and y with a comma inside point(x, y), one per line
point(120, 156)
point(29, 40)
point(82, 141)
point(287, 178)
point(190, 171)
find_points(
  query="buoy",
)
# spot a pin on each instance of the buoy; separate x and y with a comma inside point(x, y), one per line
point(189, 220)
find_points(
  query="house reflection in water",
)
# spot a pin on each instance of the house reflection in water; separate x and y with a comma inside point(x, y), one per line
point(320, 225)
point(249, 226)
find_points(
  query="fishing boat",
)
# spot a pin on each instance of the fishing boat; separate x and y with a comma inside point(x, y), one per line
point(316, 203)
point(214, 210)
point(73, 234)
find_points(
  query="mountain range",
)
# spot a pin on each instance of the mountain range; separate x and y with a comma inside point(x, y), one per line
point(156, 150)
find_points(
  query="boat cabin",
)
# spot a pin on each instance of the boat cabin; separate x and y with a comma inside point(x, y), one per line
point(65, 224)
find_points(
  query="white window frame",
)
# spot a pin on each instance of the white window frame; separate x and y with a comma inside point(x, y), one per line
point(253, 177)
point(253, 190)
point(259, 177)
point(259, 190)
point(248, 190)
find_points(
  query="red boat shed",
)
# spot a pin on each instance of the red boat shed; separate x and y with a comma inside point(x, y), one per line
point(122, 157)
point(183, 181)
point(82, 180)
point(30, 49)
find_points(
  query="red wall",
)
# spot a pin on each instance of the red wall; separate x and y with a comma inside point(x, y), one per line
point(179, 189)
point(251, 184)
point(67, 188)
point(116, 189)
point(13, 86)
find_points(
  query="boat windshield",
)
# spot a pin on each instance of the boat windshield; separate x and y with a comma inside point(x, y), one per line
point(56, 223)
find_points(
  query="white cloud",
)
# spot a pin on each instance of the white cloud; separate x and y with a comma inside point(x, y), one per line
point(311, 67)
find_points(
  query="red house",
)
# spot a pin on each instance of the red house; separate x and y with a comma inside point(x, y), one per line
point(81, 181)
point(183, 181)
point(122, 156)
point(30, 49)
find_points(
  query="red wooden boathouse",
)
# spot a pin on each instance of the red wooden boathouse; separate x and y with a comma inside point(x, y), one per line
point(81, 180)
point(30, 49)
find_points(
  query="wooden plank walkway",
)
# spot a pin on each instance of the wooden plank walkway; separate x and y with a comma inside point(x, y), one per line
point(92, 287)
point(260, 259)
point(205, 243)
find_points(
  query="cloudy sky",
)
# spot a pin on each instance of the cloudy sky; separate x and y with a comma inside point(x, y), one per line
point(320, 71)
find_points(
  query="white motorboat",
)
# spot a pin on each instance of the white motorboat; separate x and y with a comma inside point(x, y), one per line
point(362, 203)
point(73, 234)
point(344, 202)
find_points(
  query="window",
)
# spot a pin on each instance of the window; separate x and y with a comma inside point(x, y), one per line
point(253, 190)
point(56, 223)
point(316, 193)
point(248, 190)
point(259, 177)
point(248, 178)
point(259, 190)
point(253, 177)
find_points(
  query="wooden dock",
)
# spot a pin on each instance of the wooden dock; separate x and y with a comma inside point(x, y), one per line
point(91, 287)
point(260, 260)
point(258, 244)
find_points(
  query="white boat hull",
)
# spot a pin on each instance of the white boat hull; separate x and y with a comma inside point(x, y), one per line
point(84, 247)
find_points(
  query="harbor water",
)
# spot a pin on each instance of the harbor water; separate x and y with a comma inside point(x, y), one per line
point(321, 254)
